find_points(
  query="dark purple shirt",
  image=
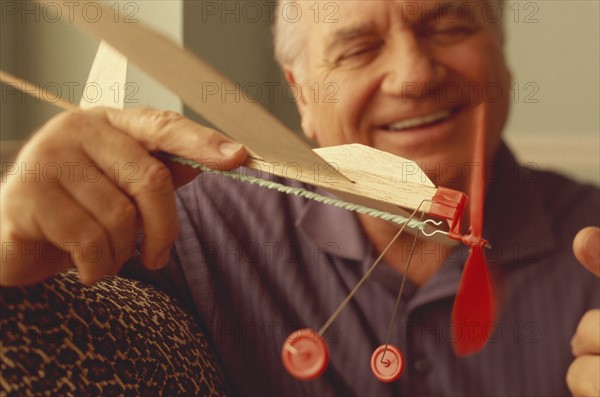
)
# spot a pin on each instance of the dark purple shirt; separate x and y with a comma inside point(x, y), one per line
point(255, 265)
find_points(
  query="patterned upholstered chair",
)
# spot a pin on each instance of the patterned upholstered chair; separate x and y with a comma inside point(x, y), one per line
point(118, 337)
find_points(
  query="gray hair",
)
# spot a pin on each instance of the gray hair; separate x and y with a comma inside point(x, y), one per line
point(289, 40)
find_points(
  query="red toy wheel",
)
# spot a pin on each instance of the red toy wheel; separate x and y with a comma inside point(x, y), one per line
point(305, 354)
point(387, 363)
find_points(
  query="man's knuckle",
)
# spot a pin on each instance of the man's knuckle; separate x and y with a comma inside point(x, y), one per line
point(161, 119)
point(40, 148)
point(94, 235)
point(156, 178)
point(591, 317)
point(122, 212)
point(70, 120)
point(48, 143)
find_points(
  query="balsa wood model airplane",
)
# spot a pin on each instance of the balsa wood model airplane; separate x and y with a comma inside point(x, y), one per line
point(357, 174)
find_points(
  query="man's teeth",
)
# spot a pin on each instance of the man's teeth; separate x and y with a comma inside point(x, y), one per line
point(417, 121)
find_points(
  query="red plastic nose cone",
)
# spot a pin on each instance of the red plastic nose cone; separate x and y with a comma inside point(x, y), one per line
point(387, 363)
point(305, 354)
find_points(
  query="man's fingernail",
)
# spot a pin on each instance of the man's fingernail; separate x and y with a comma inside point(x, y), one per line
point(229, 148)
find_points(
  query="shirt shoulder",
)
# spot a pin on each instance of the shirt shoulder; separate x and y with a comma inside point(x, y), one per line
point(569, 205)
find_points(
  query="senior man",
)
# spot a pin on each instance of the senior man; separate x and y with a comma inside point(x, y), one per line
point(255, 265)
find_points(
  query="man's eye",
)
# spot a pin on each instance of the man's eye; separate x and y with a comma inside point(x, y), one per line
point(456, 28)
point(449, 33)
point(360, 52)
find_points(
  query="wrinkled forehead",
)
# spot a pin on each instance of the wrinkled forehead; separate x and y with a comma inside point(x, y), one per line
point(326, 19)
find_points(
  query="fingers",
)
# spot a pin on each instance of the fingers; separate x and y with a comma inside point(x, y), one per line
point(586, 247)
point(587, 335)
point(126, 135)
point(110, 184)
point(582, 376)
point(154, 198)
point(66, 238)
point(169, 132)
point(31, 271)
point(172, 133)
point(147, 183)
point(138, 178)
point(98, 195)
point(79, 234)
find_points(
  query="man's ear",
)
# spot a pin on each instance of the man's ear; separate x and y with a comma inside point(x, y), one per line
point(301, 104)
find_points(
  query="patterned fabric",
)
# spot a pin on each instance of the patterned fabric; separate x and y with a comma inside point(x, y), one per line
point(118, 337)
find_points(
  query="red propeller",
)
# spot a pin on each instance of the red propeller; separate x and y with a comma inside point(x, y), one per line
point(473, 310)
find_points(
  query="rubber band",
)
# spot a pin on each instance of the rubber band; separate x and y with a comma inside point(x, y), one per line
point(297, 191)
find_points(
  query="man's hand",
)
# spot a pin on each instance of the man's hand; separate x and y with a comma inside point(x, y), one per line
point(583, 376)
point(87, 181)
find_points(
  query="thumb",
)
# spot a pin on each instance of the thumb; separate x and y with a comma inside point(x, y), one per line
point(586, 247)
point(170, 132)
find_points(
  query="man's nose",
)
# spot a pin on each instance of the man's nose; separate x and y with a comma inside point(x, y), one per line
point(411, 68)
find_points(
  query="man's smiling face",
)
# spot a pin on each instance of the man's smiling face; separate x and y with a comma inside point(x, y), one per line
point(408, 75)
